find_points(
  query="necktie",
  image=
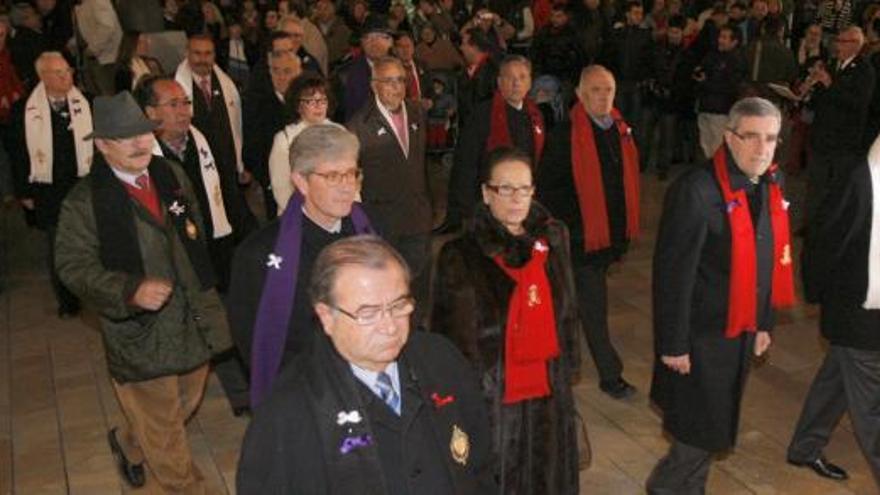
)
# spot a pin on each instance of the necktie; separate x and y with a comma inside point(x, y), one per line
point(143, 182)
point(205, 86)
point(387, 393)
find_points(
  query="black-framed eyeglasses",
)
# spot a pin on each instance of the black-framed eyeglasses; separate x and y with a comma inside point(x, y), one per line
point(366, 316)
point(337, 178)
point(507, 191)
point(314, 102)
point(754, 138)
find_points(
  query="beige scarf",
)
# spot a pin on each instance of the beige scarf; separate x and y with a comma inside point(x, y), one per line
point(184, 76)
point(211, 180)
point(38, 133)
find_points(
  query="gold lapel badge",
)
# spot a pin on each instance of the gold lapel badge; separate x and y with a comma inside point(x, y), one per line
point(459, 445)
point(191, 231)
point(786, 255)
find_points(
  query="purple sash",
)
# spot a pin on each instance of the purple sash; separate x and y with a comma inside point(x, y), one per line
point(276, 303)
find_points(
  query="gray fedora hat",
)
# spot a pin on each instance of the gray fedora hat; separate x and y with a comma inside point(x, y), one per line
point(119, 117)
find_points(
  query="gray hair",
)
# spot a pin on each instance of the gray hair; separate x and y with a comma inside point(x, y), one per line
point(385, 61)
point(367, 251)
point(40, 62)
point(19, 12)
point(514, 59)
point(319, 144)
point(752, 106)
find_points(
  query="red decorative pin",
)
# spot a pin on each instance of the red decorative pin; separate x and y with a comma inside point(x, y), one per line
point(441, 401)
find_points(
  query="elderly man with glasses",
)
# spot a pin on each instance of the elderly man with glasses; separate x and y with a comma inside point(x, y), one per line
point(372, 408)
point(270, 314)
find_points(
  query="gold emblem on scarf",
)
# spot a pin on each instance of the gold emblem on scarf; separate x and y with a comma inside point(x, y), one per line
point(191, 231)
point(217, 196)
point(534, 298)
point(786, 255)
point(41, 157)
point(460, 445)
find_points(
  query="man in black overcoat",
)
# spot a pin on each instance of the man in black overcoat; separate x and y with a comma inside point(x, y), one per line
point(841, 264)
point(707, 323)
point(372, 409)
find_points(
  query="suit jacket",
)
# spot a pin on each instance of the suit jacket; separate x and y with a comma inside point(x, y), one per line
point(473, 90)
point(835, 264)
point(691, 283)
point(842, 109)
point(262, 117)
point(293, 443)
point(99, 26)
point(395, 189)
point(352, 87)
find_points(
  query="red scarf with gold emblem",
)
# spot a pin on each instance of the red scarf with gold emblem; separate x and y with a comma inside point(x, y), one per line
point(499, 133)
point(530, 335)
point(587, 172)
point(742, 306)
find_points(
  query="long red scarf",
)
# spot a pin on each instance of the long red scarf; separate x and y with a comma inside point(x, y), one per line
point(530, 335)
point(499, 133)
point(742, 306)
point(11, 89)
point(587, 172)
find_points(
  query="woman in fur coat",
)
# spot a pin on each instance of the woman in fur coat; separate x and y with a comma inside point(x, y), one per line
point(504, 295)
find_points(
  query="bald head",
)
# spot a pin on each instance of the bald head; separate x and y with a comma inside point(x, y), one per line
point(849, 42)
point(596, 90)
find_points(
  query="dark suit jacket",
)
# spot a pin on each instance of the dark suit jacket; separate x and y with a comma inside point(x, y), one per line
point(351, 85)
point(293, 443)
point(473, 90)
point(835, 264)
point(395, 190)
point(842, 109)
point(691, 283)
point(262, 117)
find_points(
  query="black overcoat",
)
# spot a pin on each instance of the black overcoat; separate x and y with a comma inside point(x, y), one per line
point(534, 441)
point(835, 265)
point(293, 443)
point(690, 291)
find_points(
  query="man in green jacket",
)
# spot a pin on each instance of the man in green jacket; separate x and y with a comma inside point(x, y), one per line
point(131, 244)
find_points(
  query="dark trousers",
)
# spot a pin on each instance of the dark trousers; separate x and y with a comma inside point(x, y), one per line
point(823, 169)
point(683, 471)
point(636, 113)
point(228, 366)
point(592, 292)
point(67, 301)
point(221, 251)
point(848, 381)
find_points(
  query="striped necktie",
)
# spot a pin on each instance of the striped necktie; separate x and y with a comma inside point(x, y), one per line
point(387, 393)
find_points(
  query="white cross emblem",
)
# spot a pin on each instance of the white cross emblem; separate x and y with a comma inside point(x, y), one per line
point(785, 205)
point(538, 130)
point(177, 209)
point(540, 246)
point(274, 261)
point(381, 132)
point(348, 417)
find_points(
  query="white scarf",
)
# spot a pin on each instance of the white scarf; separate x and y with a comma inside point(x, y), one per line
point(184, 76)
point(211, 180)
point(872, 298)
point(38, 133)
point(139, 69)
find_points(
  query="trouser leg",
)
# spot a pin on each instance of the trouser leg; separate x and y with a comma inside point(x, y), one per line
point(67, 301)
point(156, 412)
point(592, 292)
point(683, 471)
point(823, 408)
point(668, 128)
point(861, 377)
point(818, 179)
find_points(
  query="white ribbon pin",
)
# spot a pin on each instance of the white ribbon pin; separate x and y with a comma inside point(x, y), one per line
point(540, 246)
point(177, 209)
point(274, 261)
point(381, 132)
point(343, 417)
point(785, 205)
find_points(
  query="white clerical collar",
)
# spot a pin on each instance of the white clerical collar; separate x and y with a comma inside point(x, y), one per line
point(334, 229)
point(518, 106)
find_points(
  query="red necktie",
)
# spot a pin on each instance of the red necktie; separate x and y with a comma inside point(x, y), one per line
point(205, 85)
point(143, 182)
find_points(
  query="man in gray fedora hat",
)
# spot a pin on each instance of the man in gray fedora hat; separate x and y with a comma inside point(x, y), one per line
point(131, 244)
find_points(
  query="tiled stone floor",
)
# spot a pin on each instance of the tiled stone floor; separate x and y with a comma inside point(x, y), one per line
point(56, 403)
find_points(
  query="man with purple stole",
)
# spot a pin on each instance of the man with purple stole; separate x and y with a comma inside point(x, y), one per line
point(269, 311)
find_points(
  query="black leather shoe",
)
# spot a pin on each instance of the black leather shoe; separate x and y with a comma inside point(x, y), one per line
point(824, 469)
point(447, 227)
point(133, 473)
point(617, 388)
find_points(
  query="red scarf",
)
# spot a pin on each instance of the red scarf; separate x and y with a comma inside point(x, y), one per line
point(587, 172)
point(11, 89)
point(742, 306)
point(499, 133)
point(530, 335)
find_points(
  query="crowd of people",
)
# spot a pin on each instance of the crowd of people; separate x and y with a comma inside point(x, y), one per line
point(262, 209)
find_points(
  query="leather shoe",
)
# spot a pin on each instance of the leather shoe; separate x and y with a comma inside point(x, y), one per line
point(617, 388)
point(133, 473)
point(823, 468)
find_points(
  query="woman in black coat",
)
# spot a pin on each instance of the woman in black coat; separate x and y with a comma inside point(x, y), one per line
point(534, 431)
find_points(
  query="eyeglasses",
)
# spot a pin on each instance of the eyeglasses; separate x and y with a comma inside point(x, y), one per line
point(313, 102)
point(367, 316)
point(390, 80)
point(845, 40)
point(507, 191)
point(59, 72)
point(176, 103)
point(337, 178)
point(754, 138)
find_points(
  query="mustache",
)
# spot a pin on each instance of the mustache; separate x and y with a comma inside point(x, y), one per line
point(140, 153)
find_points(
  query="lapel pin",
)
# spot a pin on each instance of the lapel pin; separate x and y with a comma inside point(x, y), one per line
point(343, 418)
point(459, 445)
point(177, 209)
point(355, 442)
point(274, 261)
